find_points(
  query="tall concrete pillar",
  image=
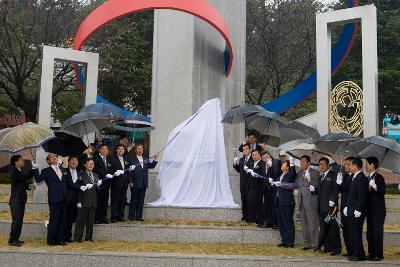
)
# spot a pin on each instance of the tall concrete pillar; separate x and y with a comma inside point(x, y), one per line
point(188, 70)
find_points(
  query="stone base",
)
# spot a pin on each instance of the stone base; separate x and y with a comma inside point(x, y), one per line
point(39, 257)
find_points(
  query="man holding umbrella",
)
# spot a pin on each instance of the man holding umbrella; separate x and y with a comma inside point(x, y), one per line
point(102, 165)
point(18, 196)
point(251, 139)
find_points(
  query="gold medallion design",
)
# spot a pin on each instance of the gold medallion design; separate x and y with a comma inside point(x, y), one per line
point(346, 109)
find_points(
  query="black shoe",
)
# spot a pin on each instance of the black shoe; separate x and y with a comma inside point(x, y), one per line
point(356, 259)
point(377, 259)
point(114, 221)
point(369, 258)
point(89, 240)
point(260, 226)
point(281, 245)
point(52, 244)
point(325, 251)
point(306, 248)
point(105, 221)
point(139, 220)
point(68, 240)
point(268, 225)
point(14, 243)
point(275, 227)
point(122, 220)
point(97, 222)
point(78, 241)
point(335, 253)
point(61, 243)
point(289, 246)
point(21, 242)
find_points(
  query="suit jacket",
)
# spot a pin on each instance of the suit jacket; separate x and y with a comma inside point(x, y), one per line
point(376, 199)
point(276, 171)
point(18, 185)
point(88, 198)
point(306, 198)
point(122, 180)
point(73, 189)
point(357, 198)
point(244, 176)
point(260, 169)
point(99, 167)
point(57, 189)
point(344, 190)
point(82, 159)
point(258, 147)
point(327, 190)
point(140, 176)
point(284, 195)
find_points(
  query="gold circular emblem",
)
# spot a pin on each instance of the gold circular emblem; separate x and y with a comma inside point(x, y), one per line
point(346, 109)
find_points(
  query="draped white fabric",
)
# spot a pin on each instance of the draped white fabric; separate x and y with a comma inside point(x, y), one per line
point(194, 171)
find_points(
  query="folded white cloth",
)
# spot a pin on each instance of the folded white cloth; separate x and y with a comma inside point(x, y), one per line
point(79, 205)
point(331, 203)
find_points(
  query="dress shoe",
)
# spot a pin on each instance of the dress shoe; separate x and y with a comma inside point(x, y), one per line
point(268, 225)
point(369, 258)
point(260, 226)
point(122, 220)
point(89, 240)
point(356, 259)
point(105, 221)
point(289, 246)
point(281, 245)
point(68, 240)
point(97, 222)
point(275, 227)
point(306, 248)
point(377, 259)
point(62, 243)
point(78, 241)
point(139, 220)
point(335, 253)
point(114, 221)
point(14, 243)
point(21, 242)
point(52, 244)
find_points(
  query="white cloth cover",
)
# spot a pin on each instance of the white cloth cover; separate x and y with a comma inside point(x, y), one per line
point(193, 171)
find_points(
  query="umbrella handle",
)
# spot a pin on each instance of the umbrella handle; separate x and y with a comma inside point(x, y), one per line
point(87, 137)
point(30, 150)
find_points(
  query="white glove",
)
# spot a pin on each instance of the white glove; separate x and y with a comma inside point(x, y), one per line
point(269, 163)
point(34, 165)
point(373, 184)
point(116, 173)
point(312, 188)
point(339, 178)
point(331, 203)
point(109, 176)
point(246, 169)
point(291, 160)
point(131, 168)
point(83, 188)
point(235, 161)
point(345, 211)
point(253, 173)
point(89, 186)
point(357, 214)
point(99, 182)
point(79, 205)
point(271, 181)
point(121, 172)
point(150, 160)
point(307, 176)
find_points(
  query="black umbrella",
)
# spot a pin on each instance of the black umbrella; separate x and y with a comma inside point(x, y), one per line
point(65, 144)
point(266, 122)
point(84, 123)
point(298, 131)
point(239, 113)
point(386, 150)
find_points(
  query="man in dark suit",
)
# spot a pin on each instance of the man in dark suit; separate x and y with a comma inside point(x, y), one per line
point(90, 152)
point(356, 209)
point(285, 202)
point(87, 202)
point(256, 188)
point(275, 174)
point(376, 210)
point(239, 164)
point(251, 139)
point(268, 195)
point(73, 189)
point(18, 196)
point(119, 184)
point(55, 179)
point(139, 182)
point(327, 192)
point(344, 182)
point(102, 167)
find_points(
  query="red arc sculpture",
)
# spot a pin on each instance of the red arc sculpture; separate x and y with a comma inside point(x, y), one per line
point(113, 9)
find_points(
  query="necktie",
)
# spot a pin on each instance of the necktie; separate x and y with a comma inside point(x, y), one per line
point(74, 176)
point(322, 177)
point(58, 172)
point(121, 160)
point(91, 178)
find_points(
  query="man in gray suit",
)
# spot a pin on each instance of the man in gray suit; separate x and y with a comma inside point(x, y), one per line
point(307, 180)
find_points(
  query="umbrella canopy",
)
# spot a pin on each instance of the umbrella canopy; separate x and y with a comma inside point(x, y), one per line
point(65, 144)
point(86, 122)
point(266, 122)
point(311, 150)
point(298, 131)
point(386, 150)
point(239, 113)
point(134, 124)
point(337, 143)
point(108, 110)
point(25, 136)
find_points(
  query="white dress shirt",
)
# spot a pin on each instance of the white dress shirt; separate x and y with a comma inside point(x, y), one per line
point(74, 175)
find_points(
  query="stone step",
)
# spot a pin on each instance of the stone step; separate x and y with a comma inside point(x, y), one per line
point(45, 258)
point(179, 233)
point(180, 214)
point(40, 257)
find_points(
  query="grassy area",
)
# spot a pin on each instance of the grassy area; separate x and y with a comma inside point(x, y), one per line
point(186, 248)
point(29, 216)
point(6, 197)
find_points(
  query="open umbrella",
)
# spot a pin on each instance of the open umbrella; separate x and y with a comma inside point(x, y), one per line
point(134, 124)
point(65, 144)
point(337, 143)
point(298, 131)
point(266, 122)
point(86, 122)
point(311, 150)
point(108, 110)
point(239, 113)
point(26, 136)
point(386, 150)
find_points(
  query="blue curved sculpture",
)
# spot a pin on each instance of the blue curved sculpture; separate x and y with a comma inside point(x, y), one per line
point(308, 87)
